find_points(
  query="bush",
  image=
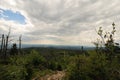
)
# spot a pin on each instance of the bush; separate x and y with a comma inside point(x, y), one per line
point(12, 72)
point(22, 67)
point(94, 67)
point(35, 59)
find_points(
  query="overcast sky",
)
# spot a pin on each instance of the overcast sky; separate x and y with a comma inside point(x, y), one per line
point(60, 22)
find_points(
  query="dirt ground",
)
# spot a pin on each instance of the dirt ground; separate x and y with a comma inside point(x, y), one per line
point(58, 75)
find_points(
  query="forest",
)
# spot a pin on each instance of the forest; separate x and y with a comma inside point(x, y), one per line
point(101, 63)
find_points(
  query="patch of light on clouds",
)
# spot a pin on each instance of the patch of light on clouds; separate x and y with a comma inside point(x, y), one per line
point(12, 2)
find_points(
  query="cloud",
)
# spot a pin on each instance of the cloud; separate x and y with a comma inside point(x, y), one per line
point(1, 12)
point(62, 21)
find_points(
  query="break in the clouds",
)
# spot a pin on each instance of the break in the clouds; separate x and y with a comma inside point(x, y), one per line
point(10, 15)
point(62, 22)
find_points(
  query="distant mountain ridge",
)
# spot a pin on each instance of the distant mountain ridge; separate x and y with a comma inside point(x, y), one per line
point(71, 47)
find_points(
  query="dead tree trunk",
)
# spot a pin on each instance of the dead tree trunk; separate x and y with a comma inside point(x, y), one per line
point(20, 43)
point(6, 43)
point(2, 43)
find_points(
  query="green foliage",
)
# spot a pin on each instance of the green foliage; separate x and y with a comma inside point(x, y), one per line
point(14, 50)
point(35, 59)
point(94, 67)
point(13, 72)
point(22, 67)
point(108, 41)
point(55, 66)
point(78, 69)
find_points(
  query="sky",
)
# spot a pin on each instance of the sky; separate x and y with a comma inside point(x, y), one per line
point(58, 22)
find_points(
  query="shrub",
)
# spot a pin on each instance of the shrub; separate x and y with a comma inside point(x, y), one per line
point(94, 67)
point(12, 72)
point(35, 59)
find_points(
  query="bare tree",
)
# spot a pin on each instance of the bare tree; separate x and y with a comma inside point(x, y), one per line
point(2, 43)
point(6, 43)
point(20, 43)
